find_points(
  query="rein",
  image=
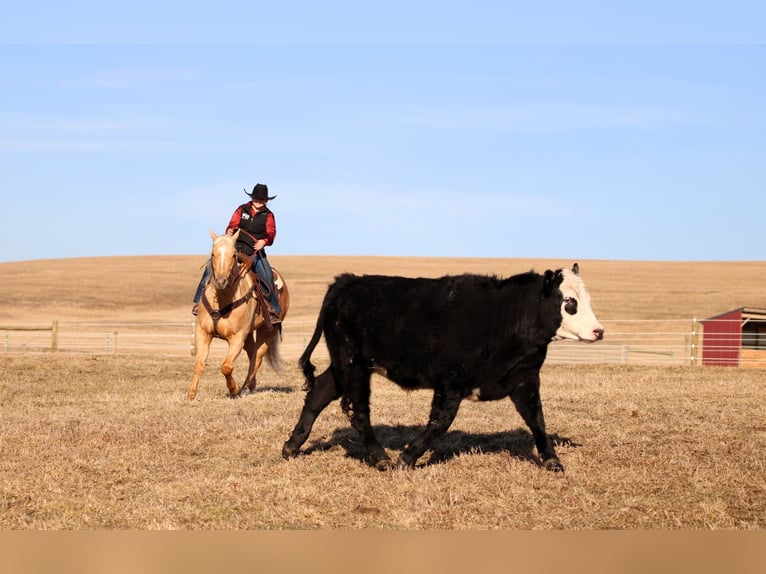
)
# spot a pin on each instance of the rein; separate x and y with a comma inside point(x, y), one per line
point(260, 290)
point(250, 235)
point(264, 290)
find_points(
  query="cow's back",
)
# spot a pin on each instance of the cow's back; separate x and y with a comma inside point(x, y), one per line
point(418, 330)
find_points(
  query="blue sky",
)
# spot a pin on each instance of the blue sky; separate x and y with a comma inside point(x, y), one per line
point(588, 130)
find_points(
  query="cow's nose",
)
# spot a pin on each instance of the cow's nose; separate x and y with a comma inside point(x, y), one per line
point(599, 332)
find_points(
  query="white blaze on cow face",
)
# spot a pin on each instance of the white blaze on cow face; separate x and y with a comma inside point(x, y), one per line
point(578, 322)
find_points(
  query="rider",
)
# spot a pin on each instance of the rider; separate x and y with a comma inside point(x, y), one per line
point(259, 229)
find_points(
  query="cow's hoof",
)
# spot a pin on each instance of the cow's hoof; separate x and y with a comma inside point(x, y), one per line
point(553, 464)
point(289, 452)
point(384, 465)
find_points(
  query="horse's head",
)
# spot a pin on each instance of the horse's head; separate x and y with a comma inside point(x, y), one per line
point(223, 259)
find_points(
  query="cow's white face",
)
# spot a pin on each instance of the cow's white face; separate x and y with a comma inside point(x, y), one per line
point(578, 322)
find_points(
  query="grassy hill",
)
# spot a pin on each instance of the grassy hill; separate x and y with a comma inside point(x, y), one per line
point(161, 287)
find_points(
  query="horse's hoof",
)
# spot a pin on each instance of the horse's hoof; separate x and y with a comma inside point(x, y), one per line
point(244, 391)
point(553, 464)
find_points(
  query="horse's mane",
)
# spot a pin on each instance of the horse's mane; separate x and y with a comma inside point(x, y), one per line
point(208, 267)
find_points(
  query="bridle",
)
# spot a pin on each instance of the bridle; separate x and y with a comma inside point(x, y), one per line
point(244, 263)
point(245, 266)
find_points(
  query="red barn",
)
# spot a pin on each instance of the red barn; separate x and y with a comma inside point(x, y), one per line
point(736, 338)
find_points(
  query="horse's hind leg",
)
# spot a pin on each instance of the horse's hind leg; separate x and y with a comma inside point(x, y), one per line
point(321, 394)
point(262, 343)
point(249, 383)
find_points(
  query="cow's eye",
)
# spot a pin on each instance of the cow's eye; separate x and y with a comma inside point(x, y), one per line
point(570, 305)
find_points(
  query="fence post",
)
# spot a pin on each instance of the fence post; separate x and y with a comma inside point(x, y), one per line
point(693, 343)
point(55, 336)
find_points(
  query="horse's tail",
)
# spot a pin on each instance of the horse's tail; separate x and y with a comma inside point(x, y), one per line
point(272, 355)
point(329, 300)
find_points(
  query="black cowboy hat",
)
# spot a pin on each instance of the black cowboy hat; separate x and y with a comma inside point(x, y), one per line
point(260, 191)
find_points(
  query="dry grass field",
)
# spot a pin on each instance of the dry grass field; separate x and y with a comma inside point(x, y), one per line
point(110, 441)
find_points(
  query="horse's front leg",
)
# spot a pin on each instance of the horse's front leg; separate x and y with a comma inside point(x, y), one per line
point(227, 367)
point(202, 341)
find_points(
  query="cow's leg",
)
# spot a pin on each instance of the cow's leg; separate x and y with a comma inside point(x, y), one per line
point(444, 407)
point(527, 400)
point(202, 340)
point(321, 394)
point(356, 403)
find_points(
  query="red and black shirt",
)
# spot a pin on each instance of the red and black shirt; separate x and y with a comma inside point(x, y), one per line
point(260, 224)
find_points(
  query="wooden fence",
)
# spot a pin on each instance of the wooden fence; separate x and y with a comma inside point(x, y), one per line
point(671, 342)
point(53, 329)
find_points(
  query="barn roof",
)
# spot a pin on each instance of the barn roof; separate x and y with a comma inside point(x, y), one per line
point(747, 313)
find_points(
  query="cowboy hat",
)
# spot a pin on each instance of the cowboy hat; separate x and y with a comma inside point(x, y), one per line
point(260, 191)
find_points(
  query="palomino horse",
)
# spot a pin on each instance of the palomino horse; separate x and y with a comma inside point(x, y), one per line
point(233, 308)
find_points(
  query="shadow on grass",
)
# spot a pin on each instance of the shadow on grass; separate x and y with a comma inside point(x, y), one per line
point(518, 443)
point(273, 389)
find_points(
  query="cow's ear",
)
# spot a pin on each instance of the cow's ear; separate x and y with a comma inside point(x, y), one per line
point(547, 283)
point(551, 281)
point(576, 268)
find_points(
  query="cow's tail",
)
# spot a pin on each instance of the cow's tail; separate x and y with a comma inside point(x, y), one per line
point(329, 302)
point(304, 362)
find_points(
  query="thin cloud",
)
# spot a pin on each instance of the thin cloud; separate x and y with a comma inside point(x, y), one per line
point(136, 78)
point(420, 204)
point(554, 117)
point(110, 132)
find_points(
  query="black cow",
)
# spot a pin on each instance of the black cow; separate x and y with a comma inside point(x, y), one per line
point(466, 336)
